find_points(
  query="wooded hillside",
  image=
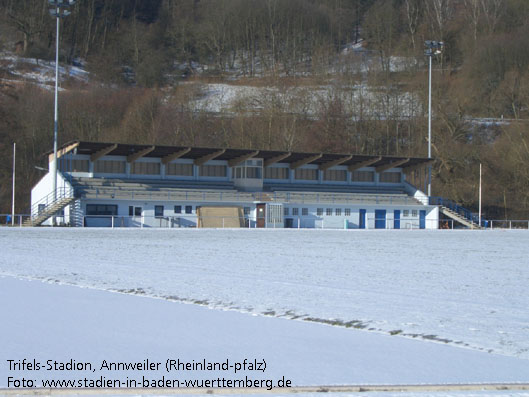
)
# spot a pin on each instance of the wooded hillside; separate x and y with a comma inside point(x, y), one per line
point(153, 63)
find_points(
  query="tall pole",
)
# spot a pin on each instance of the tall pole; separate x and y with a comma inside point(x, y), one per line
point(56, 115)
point(430, 125)
point(479, 195)
point(14, 173)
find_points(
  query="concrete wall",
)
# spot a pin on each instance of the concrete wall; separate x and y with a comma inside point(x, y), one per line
point(409, 215)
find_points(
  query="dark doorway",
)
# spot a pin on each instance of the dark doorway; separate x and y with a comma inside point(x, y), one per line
point(261, 215)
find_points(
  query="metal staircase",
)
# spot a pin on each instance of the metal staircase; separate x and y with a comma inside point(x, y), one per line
point(456, 212)
point(48, 206)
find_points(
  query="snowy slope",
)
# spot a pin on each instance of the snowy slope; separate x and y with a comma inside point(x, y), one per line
point(463, 288)
point(39, 72)
point(360, 100)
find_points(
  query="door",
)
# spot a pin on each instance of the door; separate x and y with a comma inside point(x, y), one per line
point(362, 219)
point(422, 219)
point(396, 219)
point(134, 216)
point(261, 215)
point(380, 219)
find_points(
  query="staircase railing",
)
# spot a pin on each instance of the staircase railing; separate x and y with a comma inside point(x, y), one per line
point(50, 199)
point(458, 209)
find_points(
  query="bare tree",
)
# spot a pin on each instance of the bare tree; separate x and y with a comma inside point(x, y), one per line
point(492, 10)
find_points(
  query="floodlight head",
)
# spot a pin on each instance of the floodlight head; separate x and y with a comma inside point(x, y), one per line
point(433, 47)
point(61, 3)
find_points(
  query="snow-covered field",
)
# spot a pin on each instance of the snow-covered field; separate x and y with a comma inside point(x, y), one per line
point(464, 288)
point(59, 323)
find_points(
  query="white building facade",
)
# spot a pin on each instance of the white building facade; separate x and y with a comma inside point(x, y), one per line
point(121, 185)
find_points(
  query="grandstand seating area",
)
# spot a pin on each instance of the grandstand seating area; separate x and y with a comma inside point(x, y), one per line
point(226, 192)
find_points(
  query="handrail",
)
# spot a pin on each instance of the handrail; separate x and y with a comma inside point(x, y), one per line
point(452, 205)
point(50, 199)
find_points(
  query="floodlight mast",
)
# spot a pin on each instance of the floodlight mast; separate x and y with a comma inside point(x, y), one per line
point(58, 11)
point(432, 48)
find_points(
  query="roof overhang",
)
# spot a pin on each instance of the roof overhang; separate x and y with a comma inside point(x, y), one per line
point(200, 155)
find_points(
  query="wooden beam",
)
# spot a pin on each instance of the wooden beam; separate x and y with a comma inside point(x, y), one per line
point(333, 163)
point(103, 152)
point(173, 156)
point(276, 159)
point(393, 164)
point(366, 163)
point(412, 168)
point(64, 151)
point(204, 159)
point(131, 158)
point(238, 160)
point(304, 161)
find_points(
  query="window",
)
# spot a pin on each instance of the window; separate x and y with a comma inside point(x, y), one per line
point(405, 213)
point(390, 177)
point(247, 172)
point(158, 211)
point(295, 211)
point(413, 213)
point(143, 168)
point(306, 174)
point(101, 209)
point(74, 165)
point(177, 209)
point(179, 169)
point(274, 214)
point(319, 211)
point(347, 212)
point(109, 167)
point(335, 175)
point(217, 171)
point(253, 173)
point(189, 209)
point(363, 176)
point(328, 211)
point(246, 210)
point(338, 212)
point(304, 211)
point(137, 211)
point(286, 211)
point(276, 173)
point(254, 163)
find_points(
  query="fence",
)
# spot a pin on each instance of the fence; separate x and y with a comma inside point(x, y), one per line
point(300, 222)
point(18, 220)
point(507, 224)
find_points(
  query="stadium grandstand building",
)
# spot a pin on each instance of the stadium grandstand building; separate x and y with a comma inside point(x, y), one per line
point(123, 185)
